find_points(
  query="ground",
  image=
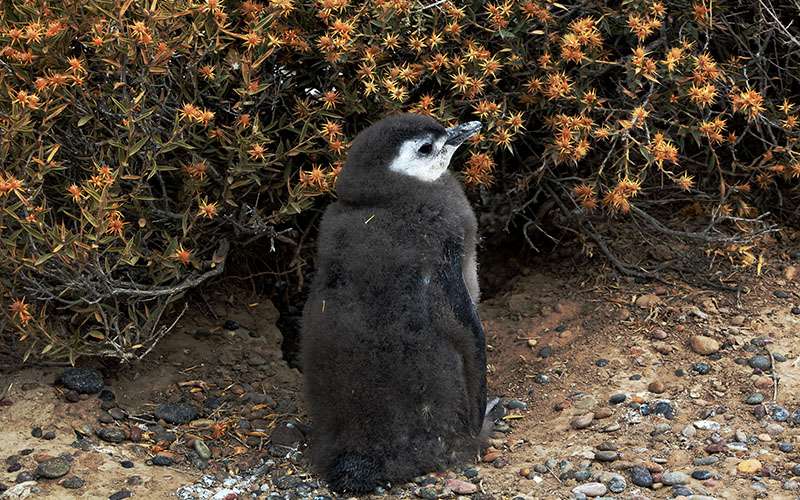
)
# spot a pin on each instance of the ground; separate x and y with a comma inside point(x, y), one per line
point(563, 339)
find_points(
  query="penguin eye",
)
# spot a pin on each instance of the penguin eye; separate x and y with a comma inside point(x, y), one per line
point(425, 149)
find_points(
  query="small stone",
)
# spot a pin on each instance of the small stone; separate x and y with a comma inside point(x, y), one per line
point(545, 352)
point(176, 413)
point(659, 334)
point(701, 368)
point(583, 475)
point(49, 436)
point(780, 294)
point(14, 467)
point(751, 466)
point(617, 484)
point(541, 378)
point(231, 325)
point(602, 413)
point(760, 362)
point(516, 404)
point(126, 464)
point(786, 447)
point(656, 387)
point(617, 398)
point(120, 495)
point(606, 456)
point(36, 432)
point(24, 477)
point(689, 431)
point(106, 395)
point(796, 310)
point(602, 362)
point(117, 414)
point(704, 345)
point(647, 301)
point(796, 470)
point(681, 491)
point(674, 478)
point(471, 472)
point(426, 493)
point(491, 455)
point(72, 396)
point(110, 434)
point(460, 487)
point(590, 489)
point(640, 476)
point(710, 460)
point(763, 383)
point(82, 380)
point(791, 485)
point(582, 421)
point(161, 460)
point(665, 409)
point(707, 425)
point(754, 399)
point(202, 449)
point(53, 468)
point(779, 413)
point(701, 474)
point(73, 483)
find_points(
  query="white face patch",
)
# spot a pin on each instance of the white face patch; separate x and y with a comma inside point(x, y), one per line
point(423, 158)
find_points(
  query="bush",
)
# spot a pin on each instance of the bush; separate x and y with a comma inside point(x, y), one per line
point(137, 139)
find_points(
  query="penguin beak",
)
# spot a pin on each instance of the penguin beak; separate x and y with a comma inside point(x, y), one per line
point(460, 133)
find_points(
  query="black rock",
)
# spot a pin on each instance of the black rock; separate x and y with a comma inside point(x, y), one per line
point(72, 396)
point(617, 398)
point(82, 380)
point(545, 352)
point(796, 310)
point(107, 405)
point(680, 372)
point(778, 357)
point(541, 378)
point(3, 487)
point(231, 325)
point(287, 434)
point(14, 467)
point(583, 475)
point(760, 362)
point(26, 451)
point(786, 447)
point(161, 460)
point(127, 464)
point(36, 432)
point(470, 472)
point(107, 395)
point(635, 376)
point(796, 470)
point(176, 413)
point(53, 468)
point(49, 435)
point(213, 402)
point(24, 476)
point(781, 294)
point(601, 362)
point(681, 491)
point(117, 414)
point(701, 474)
point(779, 413)
point(663, 408)
point(640, 476)
point(516, 404)
point(120, 495)
point(73, 483)
point(110, 434)
point(167, 436)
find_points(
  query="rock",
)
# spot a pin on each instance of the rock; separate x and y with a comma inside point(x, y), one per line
point(754, 399)
point(24, 477)
point(545, 352)
point(710, 460)
point(701, 474)
point(796, 310)
point(601, 362)
point(590, 489)
point(779, 413)
point(751, 466)
point(763, 383)
point(602, 413)
point(606, 456)
point(707, 425)
point(491, 455)
point(674, 478)
point(617, 399)
point(704, 345)
point(617, 484)
point(426, 493)
point(659, 334)
point(656, 387)
point(176, 413)
point(117, 414)
point(791, 485)
point(73, 483)
point(49, 436)
point(582, 421)
point(786, 447)
point(120, 495)
point(110, 434)
point(701, 368)
point(780, 294)
point(460, 487)
point(231, 325)
point(287, 434)
point(640, 476)
point(202, 449)
point(647, 301)
point(126, 464)
point(516, 404)
point(82, 380)
point(36, 432)
point(760, 362)
point(689, 431)
point(53, 468)
point(161, 460)
point(663, 408)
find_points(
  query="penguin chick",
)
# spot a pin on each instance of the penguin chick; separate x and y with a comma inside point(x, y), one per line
point(394, 355)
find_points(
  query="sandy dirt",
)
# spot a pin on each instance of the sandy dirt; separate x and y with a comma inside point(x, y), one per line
point(561, 342)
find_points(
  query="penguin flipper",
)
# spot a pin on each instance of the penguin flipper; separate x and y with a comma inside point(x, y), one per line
point(465, 311)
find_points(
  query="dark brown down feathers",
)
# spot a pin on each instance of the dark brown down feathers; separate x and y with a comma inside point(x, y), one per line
point(393, 352)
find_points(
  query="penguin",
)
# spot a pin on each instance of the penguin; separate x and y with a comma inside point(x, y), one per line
point(393, 350)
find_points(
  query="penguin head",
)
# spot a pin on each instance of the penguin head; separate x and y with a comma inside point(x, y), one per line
point(400, 151)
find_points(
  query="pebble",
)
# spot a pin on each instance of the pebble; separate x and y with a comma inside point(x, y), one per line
point(176, 413)
point(707, 425)
point(786, 447)
point(796, 470)
point(640, 476)
point(426, 493)
point(460, 487)
point(779, 414)
point(582, 421)
point(780, 294)
point(760, 362)
point(663, 408)
point(659, 334)
point(791, 485)
point(689, 431)
point(516, 404)
point(127, 464)
point(82, 380)
point(796, 310)
point(656, 387)
point(471, 472)
point(583, 475)
point(680, 490)
point(117, 414)
point(541, 378)
point(73, 483)
point(53, 468)
point(606, 456)
point(590, 489)
point(161, 460)
point(24, 477)
point(710, 460)
point(701, 474)
point(674, 478)
point(49, 435)
point(754, 399)
point(751, 466)
point(36, 432)
point(110, 434)
point(704, 345)
point(202, 449)
point(617, 398)
point(14, 467)
point(617, 484)
point(231, 325)
point(120, 495)
point(545, 352)
point(701, 368)
point(602, 413)
point(602, 362)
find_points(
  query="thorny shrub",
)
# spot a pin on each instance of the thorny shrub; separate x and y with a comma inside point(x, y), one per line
point(139, 138)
